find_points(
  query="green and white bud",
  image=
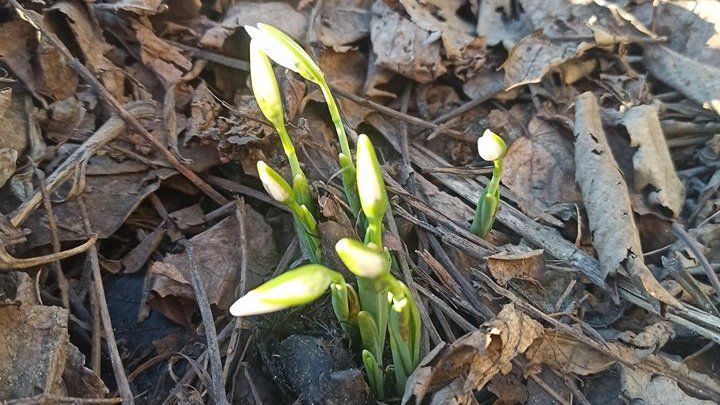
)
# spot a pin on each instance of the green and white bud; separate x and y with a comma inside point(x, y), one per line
point(265, 87)
point(284, 51)
point(491, 147)
point(370, 183)
point(293, 288)
point(274, 184)
point(362, 260)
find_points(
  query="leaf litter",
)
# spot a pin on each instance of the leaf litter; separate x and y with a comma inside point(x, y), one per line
point(610, 112)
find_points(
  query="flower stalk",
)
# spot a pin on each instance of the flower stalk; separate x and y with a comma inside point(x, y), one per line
point(492, 148)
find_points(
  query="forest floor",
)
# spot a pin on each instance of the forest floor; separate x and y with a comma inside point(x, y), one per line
point(129, 137)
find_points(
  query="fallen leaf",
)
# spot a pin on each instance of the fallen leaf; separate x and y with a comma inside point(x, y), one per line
point(698, 82)
point(18, 44)
point(605, 194)
point(653, 337)
point(540, 168)
point(509, 388)
point(439, 16)
point(403, 47)
point(278, 14)
point(652, 162)
point(476, 357)
point(340, 24)
point(563, 352)
point(33, 350)
point(506, 266)
point(80, 381)
point(536, 55)
point(139, 7)
point(166, 60)
point(640, 385)
point(218, 255)
point(498, 24)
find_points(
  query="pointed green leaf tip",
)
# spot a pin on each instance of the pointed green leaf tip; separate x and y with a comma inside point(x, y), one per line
point(274, 184)
point(295, 287)
point(370, 183)
point(491, 147)
point(264, 86)
point(361, 260)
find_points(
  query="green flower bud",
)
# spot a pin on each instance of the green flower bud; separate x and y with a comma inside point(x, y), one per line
point(491, 147)
point(295, 287)
point(274, 184)
point(284, 51)
point(371, 187)
point(265, 87)
point(362, 260)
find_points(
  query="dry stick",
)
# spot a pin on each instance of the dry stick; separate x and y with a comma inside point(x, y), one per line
point(217, 391)
point(54, 240)
point(192, 371)
point(120, 377)
point(680, 232)
point(241, 289)
point(110, 130)
point(104, 94)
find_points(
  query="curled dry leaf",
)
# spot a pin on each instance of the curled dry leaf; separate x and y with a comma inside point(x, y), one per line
point(218, 254)
point(507, 266)
point(653, 165)
point(646, 387)
point(476, 357)
point(540, 168)
point(607, 201)
point(403, 47)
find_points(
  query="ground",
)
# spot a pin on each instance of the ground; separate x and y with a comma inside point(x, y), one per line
point(132, 217)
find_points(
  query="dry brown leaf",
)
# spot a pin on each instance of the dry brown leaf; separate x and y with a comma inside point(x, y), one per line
point(536, 55)
point(17, 45)
point(476, 357)
point(442, 16)
point(605, 194)
point(507, 266)
point(342, 23)
point(8, 159)
point(403, 47)
point(278, 14)
point(698, 82)
point(540, 168)
point(563, 352)
point(346, 71)
point(497, 23)
point(653, 337)
point(80, 381)
point(139, 7)
point(643, 386)
point(33, 350)
point(218, 254)
point(652, 162)
point(89, 39)
point(563, 33)
point(166, 60)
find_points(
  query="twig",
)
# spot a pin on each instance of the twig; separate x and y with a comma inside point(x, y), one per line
point(217, 391)
point(45, 398)
point(681, 233)
point(107, 97)
point(119, 371)
point(8, 262)
point(56, 267)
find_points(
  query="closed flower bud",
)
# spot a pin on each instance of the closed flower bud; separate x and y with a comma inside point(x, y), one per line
point(371, 187)
point(362, 260)
point(284, 51)
point(264, 86)
point(274, 184)
point(491, 147)
point(293, 288)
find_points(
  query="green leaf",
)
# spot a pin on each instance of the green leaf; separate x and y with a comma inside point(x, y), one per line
point(295, 287)
point(376, 379)
point(485, 215)
point(369, 334)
